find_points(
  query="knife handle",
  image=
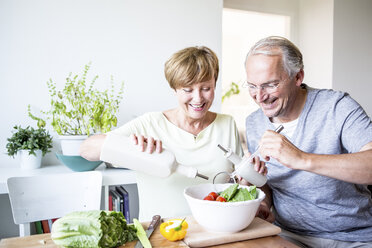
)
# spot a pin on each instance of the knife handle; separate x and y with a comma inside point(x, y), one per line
point(154, 222)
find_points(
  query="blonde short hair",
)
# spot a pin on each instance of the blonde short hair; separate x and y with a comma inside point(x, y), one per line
point(191, 65)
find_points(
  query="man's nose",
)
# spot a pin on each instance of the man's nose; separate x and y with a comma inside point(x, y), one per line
point(261, 95)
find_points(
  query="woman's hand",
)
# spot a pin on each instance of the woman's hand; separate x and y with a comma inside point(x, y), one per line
point(259, 166)
point(148, 144)
point(91, 148)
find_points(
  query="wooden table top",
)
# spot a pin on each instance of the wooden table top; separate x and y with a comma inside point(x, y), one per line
point(196, 237)
point(45, 241)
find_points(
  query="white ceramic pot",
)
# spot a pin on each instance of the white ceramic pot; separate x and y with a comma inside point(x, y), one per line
point(71, 144)
point(30, 162)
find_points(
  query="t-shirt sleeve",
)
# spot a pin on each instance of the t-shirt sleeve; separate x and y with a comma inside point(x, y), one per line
point(356, 129)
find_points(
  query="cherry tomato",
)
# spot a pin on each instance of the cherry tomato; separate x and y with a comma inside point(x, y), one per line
point(220, 199)
point(209, 198)
point(214, 195)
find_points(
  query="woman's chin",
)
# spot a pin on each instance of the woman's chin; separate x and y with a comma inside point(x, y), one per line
point(197, 114)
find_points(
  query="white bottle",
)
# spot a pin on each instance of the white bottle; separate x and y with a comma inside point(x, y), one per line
point(244, 168)
point(120, 151)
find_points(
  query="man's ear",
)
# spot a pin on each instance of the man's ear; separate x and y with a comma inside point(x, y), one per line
point(299, 77)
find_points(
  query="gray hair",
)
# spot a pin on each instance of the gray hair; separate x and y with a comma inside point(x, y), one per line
point(276, 45)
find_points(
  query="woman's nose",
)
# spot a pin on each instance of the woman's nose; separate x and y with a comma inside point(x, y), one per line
point(197, 95)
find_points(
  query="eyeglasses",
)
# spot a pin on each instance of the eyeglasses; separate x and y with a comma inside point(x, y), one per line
point(267, 88)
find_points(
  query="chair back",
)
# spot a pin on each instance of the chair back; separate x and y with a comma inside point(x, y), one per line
point(45, 197)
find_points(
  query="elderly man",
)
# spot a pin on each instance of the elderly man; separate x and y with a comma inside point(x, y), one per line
point(319, 166)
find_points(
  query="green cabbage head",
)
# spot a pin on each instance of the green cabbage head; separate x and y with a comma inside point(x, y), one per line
point(95, 228)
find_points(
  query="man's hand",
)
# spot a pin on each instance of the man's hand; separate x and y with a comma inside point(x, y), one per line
point(264, 212)
point(277, 146)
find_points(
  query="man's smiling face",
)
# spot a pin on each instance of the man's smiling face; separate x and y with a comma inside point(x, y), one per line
point(262, 71)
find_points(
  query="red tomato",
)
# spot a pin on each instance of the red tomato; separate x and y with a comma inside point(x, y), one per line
point(214, 195)
point(220, 199)
point(209, 198)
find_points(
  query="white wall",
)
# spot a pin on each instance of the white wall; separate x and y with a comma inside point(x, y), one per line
point(352, 50)
point(316, 41)
point(281, 7)
point(129, 39)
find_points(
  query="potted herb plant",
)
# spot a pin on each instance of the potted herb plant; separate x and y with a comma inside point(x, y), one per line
point(79, 110)
point(31, 144)
point(233, 90)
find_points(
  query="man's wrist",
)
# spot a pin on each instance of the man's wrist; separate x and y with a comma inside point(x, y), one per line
point(265, 204)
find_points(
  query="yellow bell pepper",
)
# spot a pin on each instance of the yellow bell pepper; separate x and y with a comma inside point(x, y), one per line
point(174, 229)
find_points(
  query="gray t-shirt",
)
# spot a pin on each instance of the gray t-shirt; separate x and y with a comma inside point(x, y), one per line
point(309, 204)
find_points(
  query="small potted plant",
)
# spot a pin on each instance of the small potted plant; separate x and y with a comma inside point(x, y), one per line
point(31, 144)
point(233, 90)
point(79, 110)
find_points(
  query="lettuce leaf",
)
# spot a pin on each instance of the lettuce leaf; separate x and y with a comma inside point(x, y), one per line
point(229, 193)
point(235, 194)
point(244, 194)
point(94, 228)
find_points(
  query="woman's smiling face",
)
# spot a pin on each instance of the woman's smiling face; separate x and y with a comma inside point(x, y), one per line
point(195, 100)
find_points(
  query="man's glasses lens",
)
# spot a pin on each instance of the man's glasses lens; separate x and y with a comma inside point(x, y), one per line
point(268, 88)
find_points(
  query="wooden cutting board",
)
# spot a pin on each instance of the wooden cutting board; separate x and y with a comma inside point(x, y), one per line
point(197, 236)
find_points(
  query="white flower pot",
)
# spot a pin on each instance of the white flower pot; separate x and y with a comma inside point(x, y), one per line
point(71, 144)
point(30, 162)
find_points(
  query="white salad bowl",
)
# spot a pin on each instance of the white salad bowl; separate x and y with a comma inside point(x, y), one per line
point(214, 216)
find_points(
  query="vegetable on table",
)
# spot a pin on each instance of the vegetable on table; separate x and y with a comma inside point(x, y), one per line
point(94, 228)
point(174, 229)
point(141, 234)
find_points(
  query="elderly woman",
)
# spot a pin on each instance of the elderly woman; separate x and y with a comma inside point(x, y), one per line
point(190, 131)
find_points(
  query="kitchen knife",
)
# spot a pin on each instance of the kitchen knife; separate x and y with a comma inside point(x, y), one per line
point(154, 223)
